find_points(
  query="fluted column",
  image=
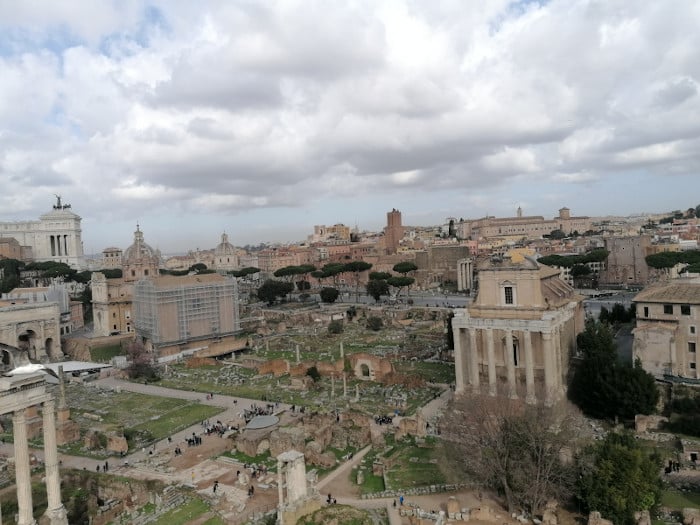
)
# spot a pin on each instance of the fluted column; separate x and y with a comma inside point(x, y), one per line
point(547, 354)
point(510, 364)
point(492, 361)
point(459, 361)
point(22, 472)
point(55, 510)
point(529, 369)
point(559, 384)
point(280, 484)
point(474, 360)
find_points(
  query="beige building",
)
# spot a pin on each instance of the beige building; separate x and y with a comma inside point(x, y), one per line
point(518, 335)
point(34, 328)
point(171, 311)
point(668, 323)
point(393, 232)
point(225, 255)
point(626, 263)
point(55, 237)
point(112, 298)
point(530, 227)
point(11, 249)
point(112, 258)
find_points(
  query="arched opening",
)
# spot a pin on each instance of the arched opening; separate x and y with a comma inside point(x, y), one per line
point(49, 346)
point(364, 370)
point(26, 342)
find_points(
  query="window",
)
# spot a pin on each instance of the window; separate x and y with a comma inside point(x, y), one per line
point(692, 329)
point(692, 366)
point(685, 309)
point(508, 290)
point(646, 311)
point(691, 347)
point(668, 309)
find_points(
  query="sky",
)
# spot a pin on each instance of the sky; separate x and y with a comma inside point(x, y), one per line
point(263, 118)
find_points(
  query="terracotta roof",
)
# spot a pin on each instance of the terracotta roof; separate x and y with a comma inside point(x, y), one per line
point(672, 292)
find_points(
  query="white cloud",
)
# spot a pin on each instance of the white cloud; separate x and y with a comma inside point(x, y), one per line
point(235, 106)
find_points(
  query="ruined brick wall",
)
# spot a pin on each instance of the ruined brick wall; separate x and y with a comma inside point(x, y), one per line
point(276, 367)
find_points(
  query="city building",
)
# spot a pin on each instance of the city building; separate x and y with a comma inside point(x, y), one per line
point(393, 232)
point(668, 324)
point(225, 256)
point(71, 312)
point(34, 328)
point(517, 337)
point(530, 227)
point(626, 263)
point(174, 311)
point(112, 298)
point(111, 258)
point(55, 237)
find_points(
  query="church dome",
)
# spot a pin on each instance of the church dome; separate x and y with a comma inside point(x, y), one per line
point(224, 247)
point(139, 250)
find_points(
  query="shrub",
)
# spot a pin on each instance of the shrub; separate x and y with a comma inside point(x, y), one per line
point(375, 323)
point(335, 327)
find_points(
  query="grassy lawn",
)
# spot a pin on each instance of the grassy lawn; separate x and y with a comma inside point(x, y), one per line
point(413, 465)
point(430, 372)
point(152, 416)
point(189, 511)
point(262, 459)
point(680, 500)
point(104, 354)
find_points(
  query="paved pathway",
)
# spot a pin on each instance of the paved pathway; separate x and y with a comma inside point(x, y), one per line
point(138, 462)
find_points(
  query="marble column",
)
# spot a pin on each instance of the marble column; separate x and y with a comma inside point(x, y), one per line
point(492, 361)
point(529, 369)
point(510, 365)
point(345, 385)
point(22, 471)
point(280, 484)
point(55, 510)
point(474, 360)
point(559, 385)
point(459, 361)
point(548, 351)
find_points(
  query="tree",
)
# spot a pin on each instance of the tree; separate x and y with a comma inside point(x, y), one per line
point(335, 327)
point(405, 267)
point(401, 282)
point(514, 449)
point(313, 373)
point(9, 274)
point(357, 267)
point(329, 295)
point(379, 276)
point(602, 386)
point(618, 477)
point(375, 323)
point(579, 270)
point(557, 234)
point(376, 288)
point(244, 272)
point(333, 270)
point(140, 362)
point(271, 290)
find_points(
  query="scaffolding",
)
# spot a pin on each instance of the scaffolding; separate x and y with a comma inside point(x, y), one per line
point(179, 310)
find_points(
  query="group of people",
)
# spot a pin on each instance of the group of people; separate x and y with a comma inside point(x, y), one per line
point(256, 410)
point(330, 499)
point(383, 420)
point(105, 467)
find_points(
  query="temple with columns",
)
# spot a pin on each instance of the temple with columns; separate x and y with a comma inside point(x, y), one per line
point(517, 337)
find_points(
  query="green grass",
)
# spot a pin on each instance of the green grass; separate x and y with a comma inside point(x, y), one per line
point(216, 520)
point(430, 372)
point(680, 500)
point(184, 514)
point(178, 419)
point(104, 354)
point(260, 459)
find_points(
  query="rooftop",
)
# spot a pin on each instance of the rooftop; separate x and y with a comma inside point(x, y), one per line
point(678, 291)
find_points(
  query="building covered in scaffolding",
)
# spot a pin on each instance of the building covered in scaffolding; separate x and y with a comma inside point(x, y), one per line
point(179, 312)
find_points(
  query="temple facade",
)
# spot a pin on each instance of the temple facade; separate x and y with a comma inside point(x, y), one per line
point(518, 335)
point(55, 237)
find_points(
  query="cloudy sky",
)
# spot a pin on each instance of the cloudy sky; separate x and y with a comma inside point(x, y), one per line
point(263, 118)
